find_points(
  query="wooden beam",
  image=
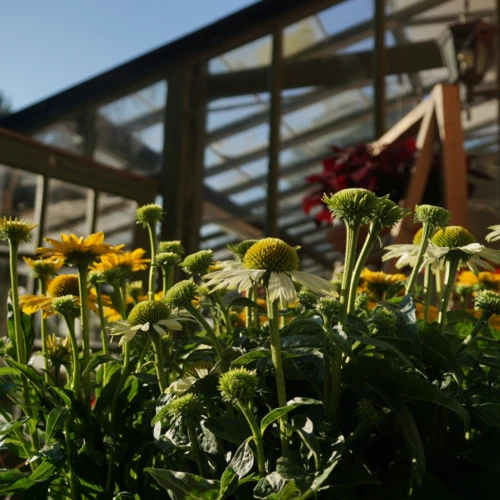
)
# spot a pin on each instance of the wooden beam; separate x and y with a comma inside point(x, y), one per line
point(449, 119)
point(380, 69)
point(333, 71)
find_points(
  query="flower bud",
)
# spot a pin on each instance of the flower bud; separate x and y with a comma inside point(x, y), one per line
point(197, 264)
point(238, 385)
point(182, 294)
point(148, 215)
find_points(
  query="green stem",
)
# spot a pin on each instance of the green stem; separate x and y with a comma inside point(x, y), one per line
point(257, 437)
point(449, 280)
point(73, 480)
point(195, 448)
point(426, 234)
point(427, 291)
point(159, 361)
point(223, 310)
point(75, 351)
point(204, 324)
point(335, 385)
point(272, 311)
point(352, 235)
point(84, 318)
point(168, 278)
point(104, 336)
point(44, 333)
point(370, 241)
point(152, 267)
point(20, 342)
point(357, 433)
point(481, 323)
point(142, 355)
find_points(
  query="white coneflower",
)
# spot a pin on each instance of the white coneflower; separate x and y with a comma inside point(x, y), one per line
point(495, 233)
point(274, 263)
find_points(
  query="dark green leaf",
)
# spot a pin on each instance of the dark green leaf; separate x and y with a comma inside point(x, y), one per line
point(302, 327)
point(394, 290)
point(275, 414)
point(65, 396)
point(55, 421)
point(8, 477)
point(14, 424)
point(383, 345)
point(43, 472)
point(409, 312)
point(234, 430)
point(356, 326)
point(295, 341)
point(184, 486)
point(96, 360)
point(410, 432)
point(26, 326)
point(240, 465)
point(347, 475)
point(341, 340)
point(251, 356)
point(246, 302)
point(334, 458)
point(304, 427)
point(269, 487)
point(487, 361)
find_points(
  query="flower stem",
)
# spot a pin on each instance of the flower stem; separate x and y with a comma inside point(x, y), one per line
point(168, 278)
point(204, 324)
point(195, 448)
point(223, 310)
point(76, 378)
point(352, 234)
point(257, 437)
point(152, 267)
point(481, 323)
point(20, 342)
point(43, 332)
point(104, 337)
point(73, 481)
point(159, 361)
point(449, 280)
point(426, 234)
point(370, 240)
point(336, 371)
point(427, 291)
point(272, 311)
point(84, 318)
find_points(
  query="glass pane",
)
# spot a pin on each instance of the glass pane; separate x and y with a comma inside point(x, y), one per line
point(130, 130)
point(63, 134)
point(66, 209)
point(116, 217)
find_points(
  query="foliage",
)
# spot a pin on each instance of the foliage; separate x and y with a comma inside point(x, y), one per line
point(379, 403)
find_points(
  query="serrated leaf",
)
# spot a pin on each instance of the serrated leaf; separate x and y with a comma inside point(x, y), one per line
point(184, 486)
point(275, 414)
point(240, 465)
point(55, 422)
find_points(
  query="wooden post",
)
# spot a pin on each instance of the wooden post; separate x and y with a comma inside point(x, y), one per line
point(454, 165)
point(272, 211)
point(379, 68)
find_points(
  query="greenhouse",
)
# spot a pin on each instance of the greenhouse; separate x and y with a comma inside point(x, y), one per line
point(260, 261)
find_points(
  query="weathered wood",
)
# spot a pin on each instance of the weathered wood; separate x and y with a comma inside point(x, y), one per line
point(380, 69)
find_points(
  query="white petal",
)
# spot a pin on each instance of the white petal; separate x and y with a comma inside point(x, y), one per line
point(173, 325)
point(144, 327)
point(274, 287)
point(288, 292)
point(314, 283)
point(127, 337)
point(160, 330)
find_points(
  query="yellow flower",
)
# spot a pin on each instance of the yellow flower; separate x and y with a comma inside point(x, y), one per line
point(44, 268)
point(378, 282)
point(15, 230)
point(490, 281)
point(433, 312)
point(130, 262)
point(263, 318)
point(58, 350)
point(65, 284)
point(74, 250)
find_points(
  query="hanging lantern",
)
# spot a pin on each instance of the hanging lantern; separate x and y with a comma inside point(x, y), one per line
point(467, 49)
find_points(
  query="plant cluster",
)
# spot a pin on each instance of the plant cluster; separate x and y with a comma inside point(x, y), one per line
point(250, 378)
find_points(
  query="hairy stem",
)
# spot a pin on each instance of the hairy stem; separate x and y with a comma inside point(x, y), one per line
point(196, 449)
point(76, 381)
point(84, 318)
point(428, 280)
point(19, 334)
point(223, 310)
point(42, 285)
point(102, 319)
point(426, 234)
point(451, 271)
point(152, 266)
point(481, 323)
point(352, 234)
point(272, 311)
point(204, 324)
point(159, 361)
point(73, 480)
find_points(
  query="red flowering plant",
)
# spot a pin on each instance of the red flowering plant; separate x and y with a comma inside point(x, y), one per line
point(382, 171)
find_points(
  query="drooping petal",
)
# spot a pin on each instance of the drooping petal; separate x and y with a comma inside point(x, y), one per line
point(127, 337)
point(314, 283)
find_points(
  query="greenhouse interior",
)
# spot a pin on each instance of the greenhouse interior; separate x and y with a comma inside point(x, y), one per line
point(232, 130)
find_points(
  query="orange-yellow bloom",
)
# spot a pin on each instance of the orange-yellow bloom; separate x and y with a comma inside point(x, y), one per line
point(74, 250)
point(128, 261)
point(44, 268)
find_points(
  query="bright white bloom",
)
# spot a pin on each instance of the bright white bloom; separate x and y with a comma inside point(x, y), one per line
point(495, 234)
point(272, 262)
point(407, 256)
point(474, 255)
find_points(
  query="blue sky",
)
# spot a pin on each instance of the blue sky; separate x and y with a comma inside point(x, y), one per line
point(49, 45)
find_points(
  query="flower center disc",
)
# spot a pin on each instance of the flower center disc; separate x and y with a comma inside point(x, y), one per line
point(150, 311)
point(66, 284)
point(271, 254)
point(453, 237)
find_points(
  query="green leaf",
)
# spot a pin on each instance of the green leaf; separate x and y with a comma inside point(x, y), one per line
point(251, 356)
point(394, 290)
point(184, 486)
point(487, 361)
point(409, 313)
point(381, 374)
point(269, 487)
point(55, 422)
point(8, 477)
point(383, 345)
point(43, 472)
point(410, 432)
point(347, 475)
point(6, 371)
point(96, 360)
point(234, 430)
point(65, 397)
point(304, 427)
point(246, 302)
point(341, 340)
point(12, 425)
point(240, 465)
point(302, 327)
point(26, 326)
point(279, 412)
